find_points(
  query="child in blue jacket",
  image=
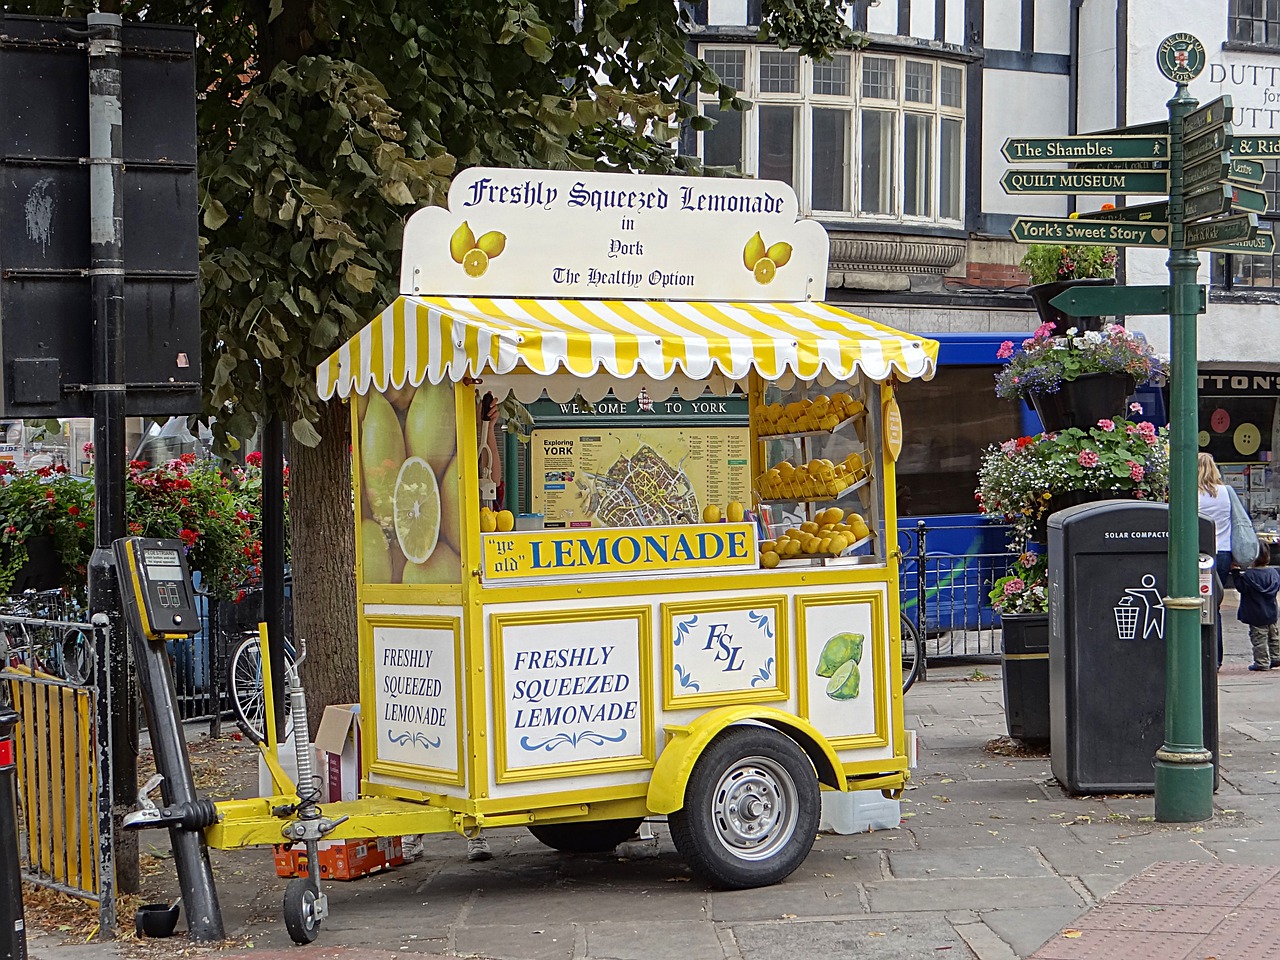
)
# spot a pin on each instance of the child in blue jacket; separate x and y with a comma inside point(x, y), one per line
point(1258, 586)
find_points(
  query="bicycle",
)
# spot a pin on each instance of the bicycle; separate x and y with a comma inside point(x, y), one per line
point(35, 633)
point(912, 653)
point(244, 683)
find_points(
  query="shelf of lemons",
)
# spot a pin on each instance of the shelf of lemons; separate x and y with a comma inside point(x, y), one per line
point(829, 534)
point(805, 418)
point(819, 479)
point(496, 521)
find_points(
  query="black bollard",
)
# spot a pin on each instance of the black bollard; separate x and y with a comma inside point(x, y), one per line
point(13, 933)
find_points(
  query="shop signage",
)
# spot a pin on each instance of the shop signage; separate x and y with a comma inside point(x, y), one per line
point(589, 551)
point(416, 696)
point(1109, 182)
point(631, 237)
point(1262, 243)
point(1053, 149)
point(1118, 234)
point(892, 420)
point(1246, 383)
point(1216, 232)
point(1256, 147)
point(1245, 199)
point(1144, 213)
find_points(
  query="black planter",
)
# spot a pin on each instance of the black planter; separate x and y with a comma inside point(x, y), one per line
point(1024, 665)
point(1060, 501)
point(1084, 401)
point(1042, 293)
point(42, 569)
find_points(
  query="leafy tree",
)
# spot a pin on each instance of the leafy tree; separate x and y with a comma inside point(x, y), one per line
point(324, 123)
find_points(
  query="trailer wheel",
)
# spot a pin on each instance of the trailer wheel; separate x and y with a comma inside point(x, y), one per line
point(751, 809)
point(299, 910)
point(593, 836)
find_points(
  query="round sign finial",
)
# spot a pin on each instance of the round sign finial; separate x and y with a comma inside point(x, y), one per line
point(1180, 57)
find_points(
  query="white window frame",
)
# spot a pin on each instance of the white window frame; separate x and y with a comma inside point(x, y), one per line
point(853, 103)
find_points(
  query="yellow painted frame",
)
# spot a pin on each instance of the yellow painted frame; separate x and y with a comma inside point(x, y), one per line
point(399, 768)
point(669, 612)
point(879, 669)
point(644, 760)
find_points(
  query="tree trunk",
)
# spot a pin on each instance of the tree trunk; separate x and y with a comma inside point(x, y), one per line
point(324, 562)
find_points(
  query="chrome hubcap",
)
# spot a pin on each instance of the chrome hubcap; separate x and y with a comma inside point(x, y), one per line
point(754, 808)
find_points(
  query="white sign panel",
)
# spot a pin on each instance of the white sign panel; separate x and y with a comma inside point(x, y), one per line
point(571, 693)
point(840, 661)
point(594, 236)
point(417, 696)
point(724, 651)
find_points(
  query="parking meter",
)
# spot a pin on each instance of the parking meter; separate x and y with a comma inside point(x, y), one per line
point(156, 587)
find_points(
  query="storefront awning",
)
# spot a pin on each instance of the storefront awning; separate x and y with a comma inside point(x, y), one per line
point(448, 338)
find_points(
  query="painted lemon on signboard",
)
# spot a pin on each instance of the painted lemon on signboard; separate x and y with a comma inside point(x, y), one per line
point(417, 510)
point(844, 683)
point(840, 649)
point(382, 453)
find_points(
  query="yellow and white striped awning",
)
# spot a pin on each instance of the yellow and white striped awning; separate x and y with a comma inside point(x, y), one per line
point(439, 338)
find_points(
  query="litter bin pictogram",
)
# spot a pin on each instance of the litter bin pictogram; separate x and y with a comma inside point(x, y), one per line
point(1126, 619)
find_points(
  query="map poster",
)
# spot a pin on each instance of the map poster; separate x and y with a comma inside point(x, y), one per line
point(620, 477)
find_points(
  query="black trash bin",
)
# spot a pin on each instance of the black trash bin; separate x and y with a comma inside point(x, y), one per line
point(1024, 673)
point(1108, 573)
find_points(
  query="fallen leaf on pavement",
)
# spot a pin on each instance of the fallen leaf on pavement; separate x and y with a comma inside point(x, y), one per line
point(1071, 934)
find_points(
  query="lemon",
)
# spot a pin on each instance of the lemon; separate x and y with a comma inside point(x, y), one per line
point(450, 513)
point(839, 544)
point(711, 513)
point(417, 510)
point(860, 530)
point(832, 515)
point(475, 263)
point(825, 545)
point(382, 453)
point(844, 683)
point(375, 555)
point(734, 512)
point(769, 559)
point(765, 270)
point(488, 520)
point(753, 251)
point(838, 650)
point(461, 243)
point(779, 253)
point(506, 521)
point(444, 566)
point(492, 244)
point(428, 427)
point(401, 397)
point(767, 545)
point(808, 527)
point(793, 548)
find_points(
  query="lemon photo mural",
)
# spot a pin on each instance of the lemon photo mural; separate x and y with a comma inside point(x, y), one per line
point(409, 477)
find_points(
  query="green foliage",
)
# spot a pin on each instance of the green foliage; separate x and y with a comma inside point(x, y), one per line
point(1051, 262)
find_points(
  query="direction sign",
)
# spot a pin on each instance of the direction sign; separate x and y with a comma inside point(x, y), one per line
point(1158, 128)
point(1213, 233)
point(1213, 202)
point(1107, 182)
point(1247, 171)
point(1145, 213)
point(1110, 232)
point(1214, 113)
point(1210, 170)
point(1256, 147)
point(1213, 140)
point(1117, 301)
point(1263, 243)
point(1244, 199)
point(1051, 149)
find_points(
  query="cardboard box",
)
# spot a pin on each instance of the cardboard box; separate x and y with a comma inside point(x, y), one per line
point(338, 747)
point(342, 859)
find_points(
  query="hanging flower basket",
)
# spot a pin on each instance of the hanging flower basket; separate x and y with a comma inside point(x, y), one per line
point(39, 569)
point(1042, 293)
point(1084, 401)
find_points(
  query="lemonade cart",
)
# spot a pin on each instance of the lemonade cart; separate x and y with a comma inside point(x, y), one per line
point(714, 665)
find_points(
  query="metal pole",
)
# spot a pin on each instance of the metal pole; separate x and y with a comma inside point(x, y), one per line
point(102, 759)
point(106, 289)
point(1183, 768)
point(273, 554)
point(13, 933)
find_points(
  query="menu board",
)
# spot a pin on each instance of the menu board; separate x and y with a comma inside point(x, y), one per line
point(592, 476)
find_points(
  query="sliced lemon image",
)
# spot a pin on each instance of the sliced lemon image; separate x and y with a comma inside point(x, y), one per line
point(417, 510)
point(475, 263)
point(765, 270)
point(844, 683)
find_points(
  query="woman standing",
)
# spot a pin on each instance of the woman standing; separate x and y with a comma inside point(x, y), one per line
point(1215, 503)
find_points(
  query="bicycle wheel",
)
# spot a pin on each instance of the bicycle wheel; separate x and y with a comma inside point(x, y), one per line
point(76, 656)
point(912, 653)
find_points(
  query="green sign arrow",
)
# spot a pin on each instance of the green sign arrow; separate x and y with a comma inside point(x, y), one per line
point(1250, 201)
point(1145, 213)
point(1214, 233)
point(1213, 140)
point(1214, 113)
point(1052, 149)
point(1196, 176)
point(1158, 128)
point(1117, 301)
point(1085, 181)
point(1111, 232)
point(1247, 171)
point(1263, 243)
point(1256, 147)
point(1213, 202)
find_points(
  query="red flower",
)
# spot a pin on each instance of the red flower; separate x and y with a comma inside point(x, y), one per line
point(188, 536)
point(254, 459)
point(73, 510)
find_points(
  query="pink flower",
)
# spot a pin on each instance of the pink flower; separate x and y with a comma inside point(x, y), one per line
point(1147, 429)
point(1005, 351)
point(1135, 407)
point(1087, 458)
point(1136, 471)
point(1014, 586)
point(1045, 330)
point(1107, 425)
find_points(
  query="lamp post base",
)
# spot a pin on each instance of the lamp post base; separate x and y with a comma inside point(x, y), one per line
point(1184, 791)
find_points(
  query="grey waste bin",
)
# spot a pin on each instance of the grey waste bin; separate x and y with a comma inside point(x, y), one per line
point(1108, 573)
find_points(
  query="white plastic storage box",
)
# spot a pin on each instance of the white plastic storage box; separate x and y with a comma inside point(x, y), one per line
point(858, 811)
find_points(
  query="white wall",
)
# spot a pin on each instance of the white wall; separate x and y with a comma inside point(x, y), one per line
point(884, 18)
point(922, 20)
point(1002, 24)
point(1231, 334)
point(1096, 105)
point(955, 23)
point(1053, 27)
point(1016, 104)
point(725, 13)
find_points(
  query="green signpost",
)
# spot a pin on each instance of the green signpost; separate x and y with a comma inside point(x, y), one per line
point(1088, 148)
point(1106, 182)
point(1119, 301)
point(1247, 171)
point(1210, 233)
point(1110, 232)
point(1157, 213)
point(1262, 244)
point(1258, 148)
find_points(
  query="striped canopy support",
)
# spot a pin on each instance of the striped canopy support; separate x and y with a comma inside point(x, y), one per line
point(419, 339)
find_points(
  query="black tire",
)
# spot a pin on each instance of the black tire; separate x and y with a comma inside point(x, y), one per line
point(245, 688)
point(593, 836)
point(765, 771)
point(912, 653)
point(299, 906)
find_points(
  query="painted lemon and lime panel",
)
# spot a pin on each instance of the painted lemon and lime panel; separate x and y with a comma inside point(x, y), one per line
point(418, 696)
point(409, 531)
point(841, 648)
point(573, 692)
point(724, 651)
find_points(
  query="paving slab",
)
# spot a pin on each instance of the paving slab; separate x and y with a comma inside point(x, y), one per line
point(884, 938)
point(903, 896)
point(984, 862)
point(1026, 928)
point(652, 937)
point(543, 941)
